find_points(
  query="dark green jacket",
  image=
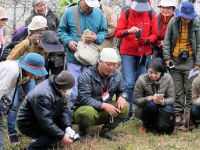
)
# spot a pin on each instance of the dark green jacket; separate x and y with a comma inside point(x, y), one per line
point(172, 32)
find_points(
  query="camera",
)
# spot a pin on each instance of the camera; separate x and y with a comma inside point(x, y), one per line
point(184, 55)
point(171, 65)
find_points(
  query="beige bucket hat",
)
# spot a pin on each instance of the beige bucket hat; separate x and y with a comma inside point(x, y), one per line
point(38, 22)
point(3, 13)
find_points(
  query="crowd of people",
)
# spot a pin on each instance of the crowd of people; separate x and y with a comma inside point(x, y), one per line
point(148, 76)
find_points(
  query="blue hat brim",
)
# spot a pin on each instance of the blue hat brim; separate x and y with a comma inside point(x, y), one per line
point(140, 7)
point(190, 16)
point(37, 72)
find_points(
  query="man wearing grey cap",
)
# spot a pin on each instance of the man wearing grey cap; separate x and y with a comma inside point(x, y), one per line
point(43, 115)
point(96, 88)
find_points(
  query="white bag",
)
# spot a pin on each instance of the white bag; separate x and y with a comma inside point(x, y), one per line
point(87, 54)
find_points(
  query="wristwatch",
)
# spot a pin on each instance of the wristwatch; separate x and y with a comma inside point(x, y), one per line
point(124, 96)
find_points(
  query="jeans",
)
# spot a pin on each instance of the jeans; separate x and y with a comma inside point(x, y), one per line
point(131, 70)
point(75, 70)
point(195, 114)
point(149, 113)
point(1, 133)
point(11, 118)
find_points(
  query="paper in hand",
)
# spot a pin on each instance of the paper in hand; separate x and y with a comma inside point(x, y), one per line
point(193, 73)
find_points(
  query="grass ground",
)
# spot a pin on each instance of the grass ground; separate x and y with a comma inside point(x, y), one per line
point(130, 139)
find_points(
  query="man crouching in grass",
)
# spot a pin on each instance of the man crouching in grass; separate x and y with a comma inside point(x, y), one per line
point(43, 115)
point(96, 87)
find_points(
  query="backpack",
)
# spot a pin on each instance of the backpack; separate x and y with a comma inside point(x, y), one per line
point(127, 9)
point(17, 36)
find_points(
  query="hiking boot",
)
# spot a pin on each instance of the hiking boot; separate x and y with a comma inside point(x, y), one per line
point(130, 117)
point(13, 139)
point(179, 119)
point(108, 134)
point(84, 133)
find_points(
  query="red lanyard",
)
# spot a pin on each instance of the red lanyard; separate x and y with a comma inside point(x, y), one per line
point(107, 87)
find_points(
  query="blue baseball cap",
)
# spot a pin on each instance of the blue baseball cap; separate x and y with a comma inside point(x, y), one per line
point(33, 63)
point(187, 11)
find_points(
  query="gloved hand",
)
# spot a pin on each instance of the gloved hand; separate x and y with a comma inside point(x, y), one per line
point(70, 132)
point(143, 41)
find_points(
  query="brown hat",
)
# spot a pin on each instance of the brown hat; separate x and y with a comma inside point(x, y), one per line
point(64, 80)
point(3, 13)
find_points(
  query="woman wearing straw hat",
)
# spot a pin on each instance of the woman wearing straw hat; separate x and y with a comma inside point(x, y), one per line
point(31, 65)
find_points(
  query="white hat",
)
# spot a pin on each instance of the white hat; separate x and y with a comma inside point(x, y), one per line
point(109, 55)
point(168, 3)
point(92, 3)
point(3, 13)
point(35, 2)
point(38, 22)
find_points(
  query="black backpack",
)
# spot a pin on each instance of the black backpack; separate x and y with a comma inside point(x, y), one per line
point(127, 9)
point(16, 37)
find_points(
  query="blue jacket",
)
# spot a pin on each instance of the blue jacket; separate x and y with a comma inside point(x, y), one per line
point(67, 30)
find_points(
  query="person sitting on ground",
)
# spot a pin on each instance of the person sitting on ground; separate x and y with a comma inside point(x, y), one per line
point(96, 88)
point(44, 112)
point(13, 73)
point(153, 90)
point(195, 109)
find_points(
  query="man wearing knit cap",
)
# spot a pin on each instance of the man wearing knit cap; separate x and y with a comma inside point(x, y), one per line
point(44, 112)
point(96, 87)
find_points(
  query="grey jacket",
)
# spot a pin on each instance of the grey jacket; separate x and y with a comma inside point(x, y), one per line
point(89, 91)
point(143, 89)
point(172, 32)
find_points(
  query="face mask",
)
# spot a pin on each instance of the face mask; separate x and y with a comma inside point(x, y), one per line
point(66, 92)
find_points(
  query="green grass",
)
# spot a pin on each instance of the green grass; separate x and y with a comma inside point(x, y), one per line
point(129, 139)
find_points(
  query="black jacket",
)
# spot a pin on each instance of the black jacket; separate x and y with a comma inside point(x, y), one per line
point(89, 92)
point(46, 108)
